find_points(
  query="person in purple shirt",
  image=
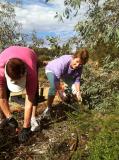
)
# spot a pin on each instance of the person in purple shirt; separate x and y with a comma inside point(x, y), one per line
point(69, 69)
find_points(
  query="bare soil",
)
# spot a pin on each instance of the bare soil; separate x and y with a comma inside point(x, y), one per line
point(53, 140)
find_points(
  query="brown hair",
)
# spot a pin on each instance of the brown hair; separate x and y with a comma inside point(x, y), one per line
point(83, 54)
point(15, 68)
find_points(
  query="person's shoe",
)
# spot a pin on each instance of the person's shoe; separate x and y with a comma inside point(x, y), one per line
point(24, 135)
point(35, 124)
point(46, 114)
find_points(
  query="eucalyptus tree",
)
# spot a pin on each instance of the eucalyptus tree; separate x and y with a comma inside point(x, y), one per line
point(54, 46)
point(58, 48)
point(100, 28)
point(36, 41)
point(10, 29)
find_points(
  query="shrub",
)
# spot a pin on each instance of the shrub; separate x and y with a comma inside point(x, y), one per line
point(101, 87)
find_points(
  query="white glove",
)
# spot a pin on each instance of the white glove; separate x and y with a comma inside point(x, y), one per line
point(62, 95)
point(78, 96)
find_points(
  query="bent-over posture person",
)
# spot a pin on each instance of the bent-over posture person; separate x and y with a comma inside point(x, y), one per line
point(69, 69)
point(18, 71)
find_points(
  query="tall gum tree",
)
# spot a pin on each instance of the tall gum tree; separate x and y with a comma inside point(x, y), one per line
point(10, 29)
point(100, 29)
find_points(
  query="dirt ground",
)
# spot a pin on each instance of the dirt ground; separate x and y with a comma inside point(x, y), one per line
point(53, 140)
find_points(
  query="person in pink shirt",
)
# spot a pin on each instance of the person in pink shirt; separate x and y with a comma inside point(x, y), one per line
point(18, 71)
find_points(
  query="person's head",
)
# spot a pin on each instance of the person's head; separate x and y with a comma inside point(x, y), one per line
point(80, 57)
point(15, 73)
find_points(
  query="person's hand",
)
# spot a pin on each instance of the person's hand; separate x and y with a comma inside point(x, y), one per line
point(78, 96)
point(62, 95)
point(24, 135)
point(10, 122)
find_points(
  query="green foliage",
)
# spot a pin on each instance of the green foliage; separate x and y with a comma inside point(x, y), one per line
point(100, 29)
point(98, 133)
point(102, 131)
point(9, 27)
point(36, 42)
point(105, 146)
point(56, 48)
point(97, 124)
point(71, 9)
point(100, 87)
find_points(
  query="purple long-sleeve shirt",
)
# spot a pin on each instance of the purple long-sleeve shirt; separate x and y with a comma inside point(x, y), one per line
point(61, 68)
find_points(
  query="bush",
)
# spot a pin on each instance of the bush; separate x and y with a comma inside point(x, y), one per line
point(101, 87)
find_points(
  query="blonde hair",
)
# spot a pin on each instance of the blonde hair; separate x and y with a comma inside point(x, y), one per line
point(83, 54)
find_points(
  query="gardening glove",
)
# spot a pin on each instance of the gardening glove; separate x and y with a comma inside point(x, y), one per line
point(10, 122)
point(62, 95)
point(24, 135)
point(78, 96)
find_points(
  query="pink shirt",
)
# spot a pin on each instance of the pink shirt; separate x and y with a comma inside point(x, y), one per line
point(29, 57)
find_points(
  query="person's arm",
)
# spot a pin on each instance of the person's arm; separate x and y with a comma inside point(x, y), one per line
point(31, 89)
point(77, 85)
point(25, 132)
point(4, 105)
point(31, 85)
point(30, 96)
point(27, 112)
point(78, 93)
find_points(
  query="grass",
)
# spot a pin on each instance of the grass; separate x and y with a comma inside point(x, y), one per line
point(98, 135)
